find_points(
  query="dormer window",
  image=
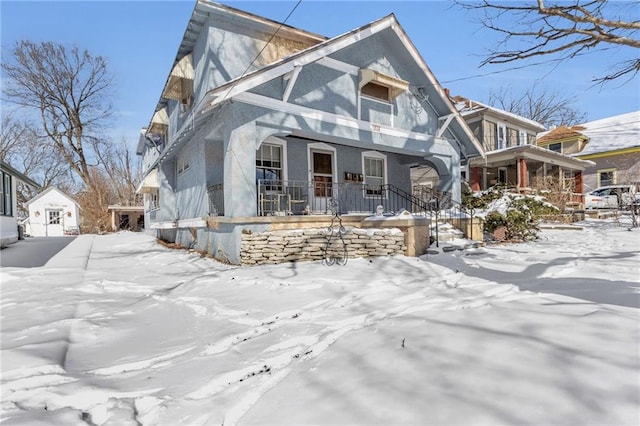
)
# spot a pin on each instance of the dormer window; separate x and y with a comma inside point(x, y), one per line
point(380, 86)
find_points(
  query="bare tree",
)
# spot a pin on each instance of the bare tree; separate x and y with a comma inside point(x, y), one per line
point(122, 167)
point(566, 28)
point(70, 90)
point(23, 148)
point(546, 106)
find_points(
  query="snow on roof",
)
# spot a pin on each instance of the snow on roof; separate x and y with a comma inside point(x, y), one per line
point(468, 106)
point(612, 133)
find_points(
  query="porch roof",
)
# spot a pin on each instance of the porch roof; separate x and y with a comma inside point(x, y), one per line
point(530, 152)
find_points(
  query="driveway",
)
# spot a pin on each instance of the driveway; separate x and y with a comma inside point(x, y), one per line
point(32, 252)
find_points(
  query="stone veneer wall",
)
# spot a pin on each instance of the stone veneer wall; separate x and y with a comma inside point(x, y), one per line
point(281, 246)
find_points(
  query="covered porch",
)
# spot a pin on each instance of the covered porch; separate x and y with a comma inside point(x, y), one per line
point(530, 169)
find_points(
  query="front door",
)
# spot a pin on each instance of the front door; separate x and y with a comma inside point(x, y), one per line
point(322, 178)
point(54, 225)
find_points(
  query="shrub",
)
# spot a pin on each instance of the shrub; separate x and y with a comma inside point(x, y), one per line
point(519, 214)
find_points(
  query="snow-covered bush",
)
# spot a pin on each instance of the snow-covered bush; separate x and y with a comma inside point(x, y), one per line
point(517, 213)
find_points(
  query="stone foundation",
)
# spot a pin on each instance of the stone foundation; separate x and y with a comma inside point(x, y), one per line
point(279, 246)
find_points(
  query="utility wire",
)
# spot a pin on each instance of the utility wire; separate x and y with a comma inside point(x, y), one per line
point(261, 50)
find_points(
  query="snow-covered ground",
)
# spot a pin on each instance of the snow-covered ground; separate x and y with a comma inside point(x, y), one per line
point(118, 330)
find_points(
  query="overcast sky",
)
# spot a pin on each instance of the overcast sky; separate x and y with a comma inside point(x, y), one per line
point(140, 40)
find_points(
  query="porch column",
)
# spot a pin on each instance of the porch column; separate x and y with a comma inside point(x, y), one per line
point(240, 199)
point(113, 221)
point(579, 186)
point(476, 178)
point(523, 174)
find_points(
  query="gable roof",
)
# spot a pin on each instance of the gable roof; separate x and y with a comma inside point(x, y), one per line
point(6, 167)
point(320, 51)
point(201, 13)
point(612, 133)
point(48, 190)
point(561, 133)
point(469, 107)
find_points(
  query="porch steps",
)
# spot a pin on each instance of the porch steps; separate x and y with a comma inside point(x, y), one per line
point(447, 232)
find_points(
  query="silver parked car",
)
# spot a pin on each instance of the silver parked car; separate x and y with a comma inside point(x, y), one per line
point(612, 197)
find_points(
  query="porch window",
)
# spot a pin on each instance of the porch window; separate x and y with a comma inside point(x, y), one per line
point(606, 177)
point(54, 217)
point(374, 165)
point(269, 163)
point(569, 179)
point(153, 200)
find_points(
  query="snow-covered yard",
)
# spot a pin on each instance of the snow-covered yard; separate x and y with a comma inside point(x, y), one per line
point(125, 331)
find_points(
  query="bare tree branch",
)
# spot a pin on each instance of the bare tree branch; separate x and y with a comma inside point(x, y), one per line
point(70, 90)
point(547, 107)
point(567, 28)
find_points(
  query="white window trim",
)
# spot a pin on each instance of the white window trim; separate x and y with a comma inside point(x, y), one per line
point(522, 137)
point(379, 156)
point(505, 135)
point(320, 147)
point(615, 176)
point(272, 140)
point(182, 164)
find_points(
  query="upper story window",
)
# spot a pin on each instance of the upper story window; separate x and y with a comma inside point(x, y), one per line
point(522, 137)
point(502, 137)
point(381, 86)
point(555, 147)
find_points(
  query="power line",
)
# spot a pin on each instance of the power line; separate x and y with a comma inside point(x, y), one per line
point(261, 50)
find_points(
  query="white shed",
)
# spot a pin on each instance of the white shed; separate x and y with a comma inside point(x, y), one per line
point(52, 213)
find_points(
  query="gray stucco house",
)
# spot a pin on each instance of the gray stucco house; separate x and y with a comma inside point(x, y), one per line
point(261, 126)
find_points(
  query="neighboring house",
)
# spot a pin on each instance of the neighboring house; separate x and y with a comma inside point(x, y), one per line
point(511, 156)
point(9, 177)
point(612, 144)
point(261, 126)
point(52, 213)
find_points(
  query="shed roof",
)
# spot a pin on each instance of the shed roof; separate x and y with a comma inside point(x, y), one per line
point(47, 191)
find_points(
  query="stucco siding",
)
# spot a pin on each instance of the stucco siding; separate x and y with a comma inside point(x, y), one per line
point(626, 166)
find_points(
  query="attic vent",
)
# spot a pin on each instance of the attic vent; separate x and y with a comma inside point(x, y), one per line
point(180, 84)
point(381, 86)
